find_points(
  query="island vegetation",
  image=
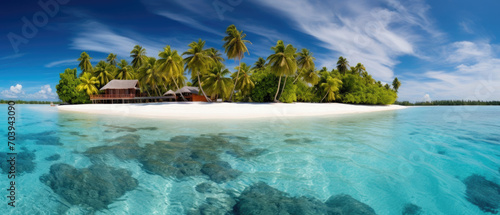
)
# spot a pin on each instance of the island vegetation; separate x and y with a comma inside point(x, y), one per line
point(288, 75)
point(27, 102)
point(448, 103)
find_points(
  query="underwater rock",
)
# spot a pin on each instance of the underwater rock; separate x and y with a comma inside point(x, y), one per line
point(182, 156)
point(261, 198)
point(149, 128)
point(412, 209)
point(205, 187)
point(344, 204)
point(24, 162)
point(220, 171)
point(76, 133)
point(48, 140)
point(96, 186)
point(53, 157)
point(128, 138)
point(483, 193)
point(121, 128)
point(42, 138)
point(214, 206)
point(298, 141)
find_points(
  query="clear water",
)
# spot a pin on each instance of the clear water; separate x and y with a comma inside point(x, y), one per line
point(418, 155)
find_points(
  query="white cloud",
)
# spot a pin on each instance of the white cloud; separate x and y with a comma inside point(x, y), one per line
point(17, 92)
point(61, 62)
point(466, 51)
point(372, 32)
point(474, 75)
point(427, 98)
point(13, 92)
point(45, 93)
point(190, 22)
point(97, 37)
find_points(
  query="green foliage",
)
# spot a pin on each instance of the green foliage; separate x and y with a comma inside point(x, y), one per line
point(448, 103)
point(364, 90)
point(289, 94)
point(66, 89)
point(28, 102)
point(266, 85)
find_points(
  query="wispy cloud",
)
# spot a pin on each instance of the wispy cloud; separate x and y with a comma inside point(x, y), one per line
point(100, 38)
point(189, 22)
point(14, 56)
point(474, 75)
point(373, 32)
point(61, 62)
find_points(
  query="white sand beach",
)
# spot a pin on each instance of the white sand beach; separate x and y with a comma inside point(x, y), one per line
point(198, 110)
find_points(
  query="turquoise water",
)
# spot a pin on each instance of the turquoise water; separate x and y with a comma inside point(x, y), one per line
point(419, 155)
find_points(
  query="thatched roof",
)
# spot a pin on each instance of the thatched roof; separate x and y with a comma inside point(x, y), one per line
point(121, 84)
point(186, 89)
point(170, 92)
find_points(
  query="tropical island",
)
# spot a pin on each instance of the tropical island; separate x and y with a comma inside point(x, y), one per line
point(287, 76)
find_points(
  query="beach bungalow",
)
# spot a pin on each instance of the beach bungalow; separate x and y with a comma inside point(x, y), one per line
point(128, 91)
point(191, 94)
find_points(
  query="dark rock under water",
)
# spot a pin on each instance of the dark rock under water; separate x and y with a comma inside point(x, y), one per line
point(181, 157)
point(261, 198)
point(53, 157)
point(483, 193)
point(96, 186)
point(24, 162)
point(411, 209)
point(42, 138)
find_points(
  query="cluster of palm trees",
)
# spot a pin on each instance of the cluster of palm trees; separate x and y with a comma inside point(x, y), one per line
point(208, 72)
point(158, 75)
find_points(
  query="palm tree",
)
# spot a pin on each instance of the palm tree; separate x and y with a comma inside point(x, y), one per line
point(359, 69)
point(124, 72)
point(215, 55)
point(139, 55)
point(396, 84)
point(305, 61)
point(103, 72)
point(170, 64)
point(111, 59)
point(87, 84)
point(85, 64)
point(197, 62)
point(282, 62)
point(150, 74)
point(342, 65)
point(331, 86)
point(235, 48)
point(310, 76)
point(259, 64)
point(217, 83)
point(244, 83)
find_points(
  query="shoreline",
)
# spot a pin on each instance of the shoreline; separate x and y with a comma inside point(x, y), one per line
point(201, 110)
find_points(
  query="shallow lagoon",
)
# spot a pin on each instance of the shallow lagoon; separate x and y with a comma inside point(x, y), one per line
point(428, 160)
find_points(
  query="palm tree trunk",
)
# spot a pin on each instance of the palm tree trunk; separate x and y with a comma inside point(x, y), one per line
point(286, 77)
point(277, 91)
point(237, 76)
point(199, 84)
point(324, 97)
point(297, 78)
point(175, 82)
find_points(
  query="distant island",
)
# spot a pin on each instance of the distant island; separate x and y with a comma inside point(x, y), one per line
point(28, 102)
point(447, 103)
point(287, 76)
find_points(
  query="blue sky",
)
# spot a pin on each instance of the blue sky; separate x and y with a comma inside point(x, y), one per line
point(438, 49)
